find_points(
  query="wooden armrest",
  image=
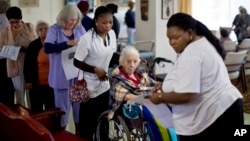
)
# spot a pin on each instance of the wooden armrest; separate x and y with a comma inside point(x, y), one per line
point(47, 113)
point(18, 106)
point(50, 119)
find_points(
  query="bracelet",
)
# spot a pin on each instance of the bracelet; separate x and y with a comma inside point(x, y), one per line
point(159, 96)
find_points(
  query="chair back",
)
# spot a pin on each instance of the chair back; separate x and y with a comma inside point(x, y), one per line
point(145, 48)
point(247, 65)
point(229, 45)
point(235, 59)
point(234, 62)
point(244, 44)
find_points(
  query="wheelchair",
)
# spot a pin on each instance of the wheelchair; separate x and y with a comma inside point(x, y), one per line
point(129, 126)
point(122, 128)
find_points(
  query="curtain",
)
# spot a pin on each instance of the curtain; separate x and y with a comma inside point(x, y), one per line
point(185, 6)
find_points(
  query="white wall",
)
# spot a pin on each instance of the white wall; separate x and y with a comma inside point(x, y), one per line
point(155, 29)
point(47, 11)
point(120, 16)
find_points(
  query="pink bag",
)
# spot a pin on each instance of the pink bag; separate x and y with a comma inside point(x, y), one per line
point(79, 91)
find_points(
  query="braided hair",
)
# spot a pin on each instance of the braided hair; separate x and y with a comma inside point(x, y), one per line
point(98, 12)
point(186, 22)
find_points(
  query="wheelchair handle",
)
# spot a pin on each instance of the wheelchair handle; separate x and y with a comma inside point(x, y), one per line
point(158, 60)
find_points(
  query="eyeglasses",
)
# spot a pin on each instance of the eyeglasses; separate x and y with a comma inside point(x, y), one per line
point(14, 21)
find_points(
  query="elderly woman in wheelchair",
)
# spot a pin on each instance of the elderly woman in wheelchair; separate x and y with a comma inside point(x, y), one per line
point(130, 80)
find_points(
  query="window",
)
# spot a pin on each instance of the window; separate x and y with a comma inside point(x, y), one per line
point(216, 13)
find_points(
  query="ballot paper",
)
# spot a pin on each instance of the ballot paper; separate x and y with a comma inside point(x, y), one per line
point(161, 111)
point(10, 52)
point(67, 62)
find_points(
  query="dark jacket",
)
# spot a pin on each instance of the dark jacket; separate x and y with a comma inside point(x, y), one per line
point(116, 26)
point(130, 18)
point(87, 22)
point(30, 69)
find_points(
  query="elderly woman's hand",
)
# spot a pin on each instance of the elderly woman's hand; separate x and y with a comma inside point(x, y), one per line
point(102, 75)
point(130, 97)
point(158, 87)
point(72, 42)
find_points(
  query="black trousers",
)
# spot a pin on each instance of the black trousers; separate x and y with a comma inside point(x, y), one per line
point(6, 86)
point(42, 98)
point(89, 114)
point(223, 127)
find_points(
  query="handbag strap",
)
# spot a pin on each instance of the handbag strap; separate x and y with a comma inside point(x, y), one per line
point(79, 73)
point(80, 70)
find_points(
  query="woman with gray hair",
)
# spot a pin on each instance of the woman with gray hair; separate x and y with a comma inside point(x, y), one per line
point(36, 70)
point(240, 24)
point(128, 80)
point(64, 34)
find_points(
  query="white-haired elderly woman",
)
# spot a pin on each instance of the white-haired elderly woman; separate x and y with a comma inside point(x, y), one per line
point(36, 70)
point(129, 80)
point(64, 34)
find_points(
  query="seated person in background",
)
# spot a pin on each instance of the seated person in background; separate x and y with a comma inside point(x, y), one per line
point(129, 80)
point(224, 35)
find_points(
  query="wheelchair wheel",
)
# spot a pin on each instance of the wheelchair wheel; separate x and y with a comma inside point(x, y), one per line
point(111, 130)
point(143, 134)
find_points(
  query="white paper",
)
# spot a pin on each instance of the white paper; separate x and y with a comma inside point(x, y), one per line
point(161, 112)
point(67, 62)
point(10, 52)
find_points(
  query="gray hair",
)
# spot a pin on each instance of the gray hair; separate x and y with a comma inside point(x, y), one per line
point(39, 23)
point(127, 51)
point(4, 6)
point(243, 10)
point(68, 12)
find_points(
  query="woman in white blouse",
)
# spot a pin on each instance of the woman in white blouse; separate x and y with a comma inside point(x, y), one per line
point(205, 103)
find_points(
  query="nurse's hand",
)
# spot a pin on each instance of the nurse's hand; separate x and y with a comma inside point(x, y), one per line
point(102, 75)
point(155, 98)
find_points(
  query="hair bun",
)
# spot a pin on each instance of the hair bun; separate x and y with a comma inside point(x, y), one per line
point(83, 5)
